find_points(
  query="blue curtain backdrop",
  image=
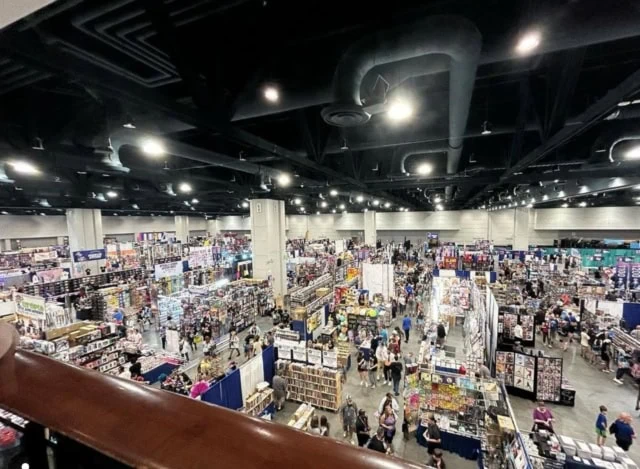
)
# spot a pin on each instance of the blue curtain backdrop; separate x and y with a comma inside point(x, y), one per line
point(213, 395)
point(268, 364)
point(231, 391)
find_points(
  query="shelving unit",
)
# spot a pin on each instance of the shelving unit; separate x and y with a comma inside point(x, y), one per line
point(318, 386)
point(258, 402)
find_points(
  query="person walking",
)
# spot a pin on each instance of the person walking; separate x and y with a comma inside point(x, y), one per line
point(279, 389)
point(402, 301)
point(163, 337)
point(406, 327)
point(362, 428)
point(372, 367)
point(396, 374)
point(623, 431)
point(382, 355)
point(388, 421)
point(362, 369)
point(377, 442)
point(348, 414)
point(432, 435)
point(601, 426)
point(234, 344)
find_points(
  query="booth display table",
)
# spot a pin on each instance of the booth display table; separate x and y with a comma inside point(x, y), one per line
point(466, 446)
point(153, 374)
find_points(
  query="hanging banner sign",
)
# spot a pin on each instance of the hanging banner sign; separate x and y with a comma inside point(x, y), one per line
point(432, 236)
point(89, 255)
point(200, 256)
point(45, 256)
point(170, 269)
point(30, 306)
point(635, 276)
point(622, 272)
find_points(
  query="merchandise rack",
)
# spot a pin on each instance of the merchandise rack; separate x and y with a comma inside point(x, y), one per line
point(258, 402)
point(315, 385)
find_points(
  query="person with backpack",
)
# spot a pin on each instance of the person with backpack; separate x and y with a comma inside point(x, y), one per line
point(553, 330)
point(623, 431)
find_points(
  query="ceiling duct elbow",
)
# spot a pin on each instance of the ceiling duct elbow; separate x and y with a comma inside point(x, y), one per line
point(403, 153)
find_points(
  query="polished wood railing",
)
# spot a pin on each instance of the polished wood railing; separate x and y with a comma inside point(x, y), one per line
point(150, 428)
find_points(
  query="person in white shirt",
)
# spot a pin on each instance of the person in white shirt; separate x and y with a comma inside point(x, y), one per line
point(136, 338)
point(388, 399)
point(382, 355)
point(584, 343)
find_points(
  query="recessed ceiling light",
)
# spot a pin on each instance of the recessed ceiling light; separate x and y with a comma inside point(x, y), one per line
point(152, 147)
point(24, 167)
point(424, 169)
point(271, 94)
point(528, 43)
point(112, 194)
point(376, 202)
point(333, 192)
point(387, 205)
point(184, 187)
point(399, 110)
point(195, 201)
point(284, 179)
point(359, 198)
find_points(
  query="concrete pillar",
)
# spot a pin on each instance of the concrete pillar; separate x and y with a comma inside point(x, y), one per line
point(85, 233)
point(182, 228)
point(370, 236)
point(212, 227)
point(268, 243)
point(7, 245)
point(521, 229)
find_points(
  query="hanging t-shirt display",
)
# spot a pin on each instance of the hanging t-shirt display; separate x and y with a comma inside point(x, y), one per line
point(549, 379)
point(505, 367)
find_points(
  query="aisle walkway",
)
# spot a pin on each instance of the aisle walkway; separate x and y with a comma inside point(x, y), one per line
point(593, 389)
point(369, 399)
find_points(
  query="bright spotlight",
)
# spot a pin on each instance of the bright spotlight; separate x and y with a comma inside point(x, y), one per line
point(24, 167)
point(387, 205)
point(271, 94)
point(565, 205)
point(528, 43)
point(323, 204)
point(184, 187)
point(341, 206)
point(112, 194)
point(582, 204)
point(438, 199)
point(399, 110)
point(245, 204)
point(195, 201)
point(633, 154)
point(424, 169)
point(152, 147)
point(545, 197)
point(333, 193)
point(297, 201)
point(439, 207)
point(333, 210)
point(284, 180)
point(376, 202)
point(359, 198)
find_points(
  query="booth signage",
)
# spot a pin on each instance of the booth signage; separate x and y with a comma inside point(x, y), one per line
point(89, 255)
point(29, 306)
point(45, 256)
point(169, 269)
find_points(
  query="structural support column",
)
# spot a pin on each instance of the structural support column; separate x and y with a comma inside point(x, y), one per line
point(370, 236)
point(182, 228)
point(212, 227)
point(7, 245)
point(85, 234)
point(521, 229)
point(268, 243)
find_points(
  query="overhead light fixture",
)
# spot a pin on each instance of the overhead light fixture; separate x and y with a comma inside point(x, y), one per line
point(135, 206)
point(100, 197)
point(112, 194)
point(365, 210)
point(387, 205)
point(360, 199)
point(344, 212)
point(375, 202)
point(533, 200)
point(152, 147)
point(523, 203)
point(333, 193)
point(24, 167)
point(271, 94)
point(323, 204)
point(582, 204)
point(437, 199)
point(439, 207)
point(633, 153)
point(545, 197)
point(317, 213)
point(399, 110)
point(486, 128)
point(341, 206)
point(184, 187)
point(624, 103)
point(424, 169)
point(302, 209)
point(528, 43)
point(530, 206)
point(561, 194)
point(333, 210)
point(245, 204)
point(284, 180)
point(344, 146)
point(565, 205)
point(556, 181)
point(37, 145)
point(195, 201)
point(297, 201)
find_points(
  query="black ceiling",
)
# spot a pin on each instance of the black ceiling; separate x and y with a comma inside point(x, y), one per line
point(192, 75)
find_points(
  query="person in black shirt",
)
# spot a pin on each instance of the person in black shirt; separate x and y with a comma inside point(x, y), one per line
point(362, 428)
point(377, 442)
point(432, 435)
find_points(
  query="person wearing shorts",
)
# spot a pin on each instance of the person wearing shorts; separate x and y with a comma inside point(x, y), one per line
point(601, 426)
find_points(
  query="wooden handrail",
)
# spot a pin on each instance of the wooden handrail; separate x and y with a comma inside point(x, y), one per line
point(146, 427)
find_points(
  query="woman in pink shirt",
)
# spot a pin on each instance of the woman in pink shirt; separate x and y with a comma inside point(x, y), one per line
point(542, 417)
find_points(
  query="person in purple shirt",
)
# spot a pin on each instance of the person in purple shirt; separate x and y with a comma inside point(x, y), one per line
point(542, 417)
